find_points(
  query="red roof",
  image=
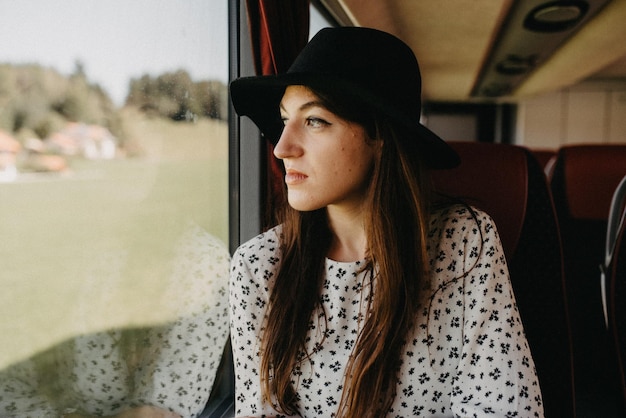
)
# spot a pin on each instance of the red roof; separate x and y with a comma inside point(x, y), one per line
point(8, 143)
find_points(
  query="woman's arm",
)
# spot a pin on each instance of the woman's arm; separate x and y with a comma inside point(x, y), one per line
point(496, 375)
point(252, 271)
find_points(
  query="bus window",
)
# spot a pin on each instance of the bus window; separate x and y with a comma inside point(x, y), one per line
point(113, 205)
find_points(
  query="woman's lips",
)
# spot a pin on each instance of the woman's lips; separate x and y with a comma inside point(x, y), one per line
point(293, 177)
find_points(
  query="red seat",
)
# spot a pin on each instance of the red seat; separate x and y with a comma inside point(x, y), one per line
point(584, 178)
point(589, 175)
point(509, 184)
point(545, 158)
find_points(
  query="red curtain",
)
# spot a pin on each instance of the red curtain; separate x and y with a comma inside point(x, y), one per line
point(279, 29)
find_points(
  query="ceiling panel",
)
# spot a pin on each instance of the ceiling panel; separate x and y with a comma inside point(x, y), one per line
point(453, 39)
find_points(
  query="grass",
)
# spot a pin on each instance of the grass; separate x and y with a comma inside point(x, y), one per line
point(62, 236)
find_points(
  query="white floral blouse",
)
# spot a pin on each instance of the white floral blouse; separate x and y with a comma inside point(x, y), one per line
point(170, 366)
point(467, 356)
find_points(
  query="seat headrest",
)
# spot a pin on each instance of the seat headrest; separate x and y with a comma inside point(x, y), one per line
point(494, 178)
point(591, 174)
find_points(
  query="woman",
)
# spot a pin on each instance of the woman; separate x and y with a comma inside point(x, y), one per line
point(369, 299)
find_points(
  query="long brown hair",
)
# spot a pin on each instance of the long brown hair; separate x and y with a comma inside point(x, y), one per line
point(396, 228)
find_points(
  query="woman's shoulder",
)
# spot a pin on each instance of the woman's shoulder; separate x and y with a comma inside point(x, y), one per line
point(266, 243)
point(256, 261)
point(462, 238)
point(460, 224)
point(459, 214)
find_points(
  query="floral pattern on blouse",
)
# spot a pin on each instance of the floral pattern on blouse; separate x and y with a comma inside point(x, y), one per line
point(467, 355)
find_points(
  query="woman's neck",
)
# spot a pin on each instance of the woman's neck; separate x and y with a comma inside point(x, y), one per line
point(349, 237)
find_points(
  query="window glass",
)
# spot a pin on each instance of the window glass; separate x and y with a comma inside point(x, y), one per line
point(317, 21)
point(113, 205)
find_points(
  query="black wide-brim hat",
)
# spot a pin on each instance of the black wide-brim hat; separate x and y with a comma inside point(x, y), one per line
point(367, 64)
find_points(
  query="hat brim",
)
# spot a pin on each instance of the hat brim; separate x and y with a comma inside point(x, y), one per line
point(258, 98)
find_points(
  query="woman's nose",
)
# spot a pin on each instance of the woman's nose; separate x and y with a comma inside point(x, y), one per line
point(287, 145)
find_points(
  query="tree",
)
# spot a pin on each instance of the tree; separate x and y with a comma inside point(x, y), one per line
point(40, 100)
point(174, 95)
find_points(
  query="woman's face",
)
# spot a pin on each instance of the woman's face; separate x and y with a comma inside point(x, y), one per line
point(328, 160)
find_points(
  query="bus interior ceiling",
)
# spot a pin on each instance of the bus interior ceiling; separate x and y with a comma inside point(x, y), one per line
point(486, 58)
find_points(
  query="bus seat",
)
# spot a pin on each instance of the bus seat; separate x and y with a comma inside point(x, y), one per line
point(509, 184)
point(546, 159)
point(583, 181)
point(614, 275)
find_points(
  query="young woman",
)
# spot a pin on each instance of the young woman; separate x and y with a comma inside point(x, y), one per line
point(370, 299)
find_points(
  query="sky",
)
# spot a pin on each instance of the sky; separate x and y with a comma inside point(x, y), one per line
point(116, 40)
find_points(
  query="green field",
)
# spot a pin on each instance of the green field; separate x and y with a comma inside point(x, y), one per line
point(62, 236)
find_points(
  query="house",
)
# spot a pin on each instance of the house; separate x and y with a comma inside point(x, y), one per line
point(93, 142)
point(9, 150)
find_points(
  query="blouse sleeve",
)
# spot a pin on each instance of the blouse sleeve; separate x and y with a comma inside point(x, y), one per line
point(252, 269)
point(495, 375)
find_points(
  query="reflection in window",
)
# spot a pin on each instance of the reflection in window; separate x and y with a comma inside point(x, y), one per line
point(113, 206)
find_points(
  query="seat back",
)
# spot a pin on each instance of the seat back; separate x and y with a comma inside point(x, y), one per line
point(545, 158)
point(583, 180)
point(509, 184)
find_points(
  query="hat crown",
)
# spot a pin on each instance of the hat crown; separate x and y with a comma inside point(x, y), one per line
point(374, 62)
point(369, 66)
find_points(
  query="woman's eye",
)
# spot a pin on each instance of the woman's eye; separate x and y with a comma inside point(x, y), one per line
point(316, 122)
